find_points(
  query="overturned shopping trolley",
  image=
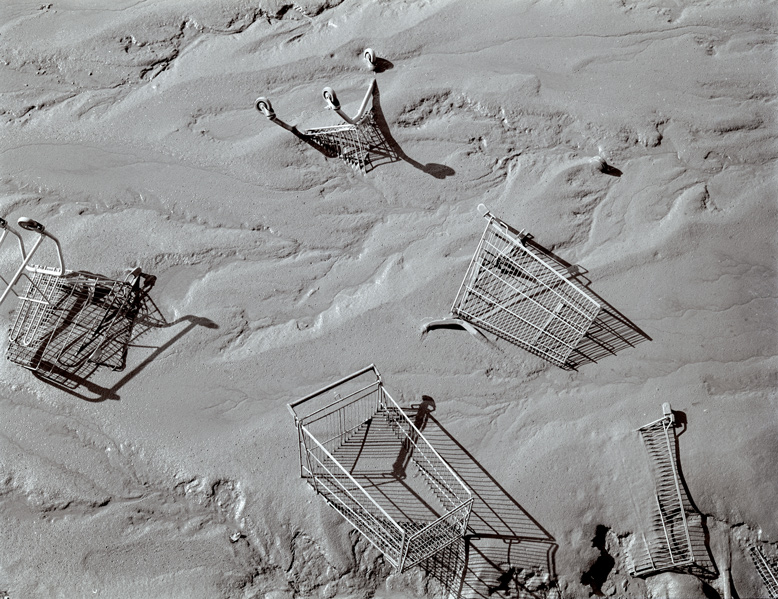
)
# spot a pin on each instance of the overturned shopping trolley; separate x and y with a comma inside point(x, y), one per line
point(674, 539)
point(358, 141)
point(519, 293)
point(65, 319)
point(767, 572)
point(369, 461)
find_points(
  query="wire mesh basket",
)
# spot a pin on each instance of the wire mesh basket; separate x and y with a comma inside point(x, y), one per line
point(67, 318)
point(668, 542)
point(369, 461)
point(767, 572)
point(523, 295)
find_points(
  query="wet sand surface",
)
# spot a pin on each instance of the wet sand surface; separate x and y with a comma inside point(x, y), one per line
point(129, 130)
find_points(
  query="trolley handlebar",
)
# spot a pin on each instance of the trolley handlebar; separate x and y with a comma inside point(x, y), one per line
point(29, 225)
point(345, 379)
point(32, 225)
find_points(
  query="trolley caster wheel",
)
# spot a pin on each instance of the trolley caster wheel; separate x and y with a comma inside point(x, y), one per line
point(30, 225)
point(369, 56)
point(3, 223)
point(329, 96)
point(599, 164)
point(263, 105)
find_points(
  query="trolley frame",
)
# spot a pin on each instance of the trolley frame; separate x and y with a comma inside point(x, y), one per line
point(324, 431)
point(523, 295)
point(352, 141)
point(767, 572)
point(669, 543)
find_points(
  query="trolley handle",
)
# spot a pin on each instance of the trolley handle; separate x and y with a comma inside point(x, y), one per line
point(486, 213)
point(345, 379)
point(29, 225)
point(34, 226)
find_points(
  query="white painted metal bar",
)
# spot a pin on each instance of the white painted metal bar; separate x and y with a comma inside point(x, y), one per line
point(337, 422)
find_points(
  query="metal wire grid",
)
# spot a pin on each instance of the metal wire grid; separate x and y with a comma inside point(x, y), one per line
point(767, 572)
point(63, 321)
point(524, 296)
point(668, 542)
point(349, 142)
point(449, 489)
point(406, 542)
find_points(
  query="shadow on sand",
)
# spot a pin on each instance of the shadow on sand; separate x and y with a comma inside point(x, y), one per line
point(124, 332)
point(387, 145)
point(506, 551)
point(610, 333)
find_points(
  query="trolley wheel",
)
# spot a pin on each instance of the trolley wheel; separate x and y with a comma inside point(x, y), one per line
point(30, 225)
point(598, 162)
point(3, 223)
point(369, 56)
point(263, 105)
point(133, 276)
point(329, 96)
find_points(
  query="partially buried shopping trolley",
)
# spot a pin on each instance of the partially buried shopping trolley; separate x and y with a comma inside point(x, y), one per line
point(352, 141)
point(363, 454)
point(358, 141)
point(522, 294)
point(65, 319)
point(674, 538)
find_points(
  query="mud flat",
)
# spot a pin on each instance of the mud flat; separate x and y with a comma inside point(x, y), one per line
point(129, 129)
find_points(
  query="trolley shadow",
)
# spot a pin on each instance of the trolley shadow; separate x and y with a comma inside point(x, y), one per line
point(391, 150)
point(609, 334)
point(379, 461)
point(505, 549)
point(125, 332)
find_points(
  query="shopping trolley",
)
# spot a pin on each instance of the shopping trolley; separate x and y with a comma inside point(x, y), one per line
point(371, 463)
point(521, 294)
point(669, 543)
point(352, 142)
point(67, 318)
point(358, 141)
